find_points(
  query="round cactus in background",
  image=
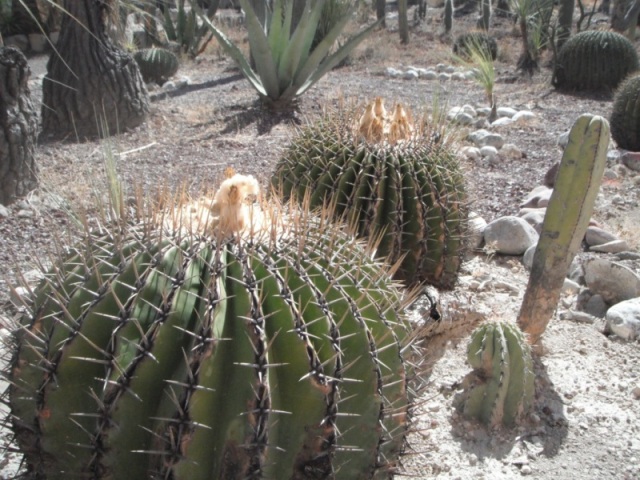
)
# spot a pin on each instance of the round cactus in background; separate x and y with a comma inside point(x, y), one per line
point(594, 59)
point(156, 64)
point(466, 43)
point(501, 387)
point(388, 179)
point(625, 115)
point(224, 341)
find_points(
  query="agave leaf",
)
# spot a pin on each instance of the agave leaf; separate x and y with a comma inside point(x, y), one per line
point(297, 49)
point(262, 55)
point(315, 68)
point(234, 52)
point(279, 28)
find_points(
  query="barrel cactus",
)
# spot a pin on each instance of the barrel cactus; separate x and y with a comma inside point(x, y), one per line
point(594, 59)
point(156, 64)
point(389, 180)
point(227, 342)
point(500, 390)
point(466, 43)
point(625, 115)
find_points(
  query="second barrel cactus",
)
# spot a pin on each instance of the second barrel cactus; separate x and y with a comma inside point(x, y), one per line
point(594, 59)
point(156, 64)
point(227, 342)
point(625, 115)
point(390, 181)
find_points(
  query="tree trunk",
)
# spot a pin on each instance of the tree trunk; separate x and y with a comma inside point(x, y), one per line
point(380, 11)
point(403, 21)
point(18, 127)
point(92, 88)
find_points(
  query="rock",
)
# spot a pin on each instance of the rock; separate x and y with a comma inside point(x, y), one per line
point(631, 160)
point(534, 197)
point(392, 72)
point(527, 258)
point(623, 319)
point(597, 236)
point(441, 67)
point(444, 77)
point(483, 138)
point(550, 176)
point(523, 116)
point(501, 122)
point(477, 224)
point(617, 199)
point(450, 69)
point(506, 112)
point(468, 109)
point(511, 152)
point(463, 119)
point(38, 42)
point(595, 306)
point(535, 218)
point(582, 317)
point(21, 42)
point(458, 76)
point(472, 153)
point(489, 152)
point(410, 75)
point(610, 174)
point(615, 282)
point(429, 75)
point(484, 111)
point(4, 211)
point(510, 235)
point(616, 246)
point(568, 286)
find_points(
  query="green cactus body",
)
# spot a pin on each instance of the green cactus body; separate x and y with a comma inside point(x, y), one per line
point(466, 43)
point(448, 15)
point(156, 354)
point(409, 194)
point(594, 59)
point(156, 64)
point(484, 20)
point(625, 115)
point(502, 386)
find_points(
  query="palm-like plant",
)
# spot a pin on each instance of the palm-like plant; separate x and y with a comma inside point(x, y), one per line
point(286, 65)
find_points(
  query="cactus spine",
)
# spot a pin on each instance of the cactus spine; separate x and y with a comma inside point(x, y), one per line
point(565, 222)
point(231, 343)
point(448, 15)
point(594, 59)
point(625, 115)
point(501, 387)
point(388, 180)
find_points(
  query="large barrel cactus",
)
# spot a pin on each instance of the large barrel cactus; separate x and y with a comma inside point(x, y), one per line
point(249, 345)
point(594, 59)
point(388, 180)
point(625, 115)
point(500, 389)
point(156, 64)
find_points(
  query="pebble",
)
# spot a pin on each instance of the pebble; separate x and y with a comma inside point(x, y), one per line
point(506, 112)
point(4, 211)
point(489, 152)
point(483, 138)
point(523, 116)
point(510, 151)
point(615, 246)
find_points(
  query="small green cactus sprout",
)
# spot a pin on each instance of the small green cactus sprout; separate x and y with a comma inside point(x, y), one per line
point(222, 341)
point(500, 389)
point(625, 115)
point(466, 43)
point(594, 59)
point(156, 64)
point(388, 179)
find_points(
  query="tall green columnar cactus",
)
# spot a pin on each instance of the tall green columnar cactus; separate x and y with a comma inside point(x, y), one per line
point(500, 390)
point(227, 342)
point(448, 15)
point(625, 115)
point(565, 21)
point(566, 221)
point(594, 59)
point(388, 181)
point(484, 21)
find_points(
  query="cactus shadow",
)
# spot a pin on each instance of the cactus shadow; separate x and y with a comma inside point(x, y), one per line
point(265, 119)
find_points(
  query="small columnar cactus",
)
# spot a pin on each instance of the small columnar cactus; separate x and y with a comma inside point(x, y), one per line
point(448, 15)
point(222, 342)
point(625, 115)
point(390, 181)
point(500, 390)
point(594, 59)
point(466, 43)
point(156, 64)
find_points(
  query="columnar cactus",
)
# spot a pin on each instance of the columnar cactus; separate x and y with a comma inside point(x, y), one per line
point(448, 15)
point(500, 390)
point(484, 20)
point(156, 64)
point(625, 115)
point(388, 180)
point(565, 222)
point(226, 342)
point(594, 59)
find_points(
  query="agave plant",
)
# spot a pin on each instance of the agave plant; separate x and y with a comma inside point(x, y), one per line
point(286, 65)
